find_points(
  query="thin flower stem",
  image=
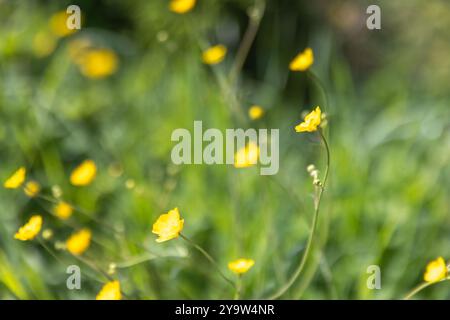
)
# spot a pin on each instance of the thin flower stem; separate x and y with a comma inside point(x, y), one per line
point(237, 294)
point(422, 286)
point(209, 258)
point(317, 201)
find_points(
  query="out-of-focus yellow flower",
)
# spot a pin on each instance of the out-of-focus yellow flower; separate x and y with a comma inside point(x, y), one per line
point(247, 156)
point(32, 188)
point(168, 226)
point(241, 266)
point(110, 291)
point(63, 210)
point(47, 234)
point(311, 121)
point(58, 24)
point(436, 270)
point(79, 242)
point(181, 6)
point(214, 55)
point(30, 230)
point(17, 179)
point(302, 61)
point(84, 174)
point(255, 112)
point(98, 63)
point(44, 43)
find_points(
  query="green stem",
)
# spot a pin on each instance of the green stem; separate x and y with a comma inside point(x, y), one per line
point(317, 200)
point(209, 258)
point(422, 286)
point(237, 294)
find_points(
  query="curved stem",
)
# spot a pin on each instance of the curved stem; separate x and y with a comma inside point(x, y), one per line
point(420, 287)
point(209, 258)
point(317, 200)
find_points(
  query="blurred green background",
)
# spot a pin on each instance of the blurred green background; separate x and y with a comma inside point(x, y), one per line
point(388, 198)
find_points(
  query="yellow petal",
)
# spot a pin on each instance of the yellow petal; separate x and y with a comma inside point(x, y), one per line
point(79, 242)
point(302, 61)
point(311, 121)
point(214, 55)
point(58, 24)
point(110, 291)
point(30, 230)
point(16, 180)
point(32, 188)
point(63, 210)
point(181, 6)
point(84, 174)
point(247, 156)
point(168, 226)
point(241, 266)
point(255, 112)
point(98, 63)
point(436, 270)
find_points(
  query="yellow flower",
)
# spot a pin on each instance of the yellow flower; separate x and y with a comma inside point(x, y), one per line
point(181, 6)
point(110, 291)
point(98, 63)
point(240, 266)
point(79, 242)
point(63, 210)
point(255, 112)
point(32, 188)
point(168, 226)
point(311, 122)
point(30, 230)
point(44, 43)
point(84, 174)
point(214, 55)
point(16, 180)
point(436, 270)
point(246, 156)
point(58, 24)
point(302, 61)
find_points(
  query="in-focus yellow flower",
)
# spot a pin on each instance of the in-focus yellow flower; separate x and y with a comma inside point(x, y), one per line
point(98, 63)
point(214, 55)
point(181, 6)
point(30, 230)
point(44, 43)
point(84, 174)
point(16, 180)
point(110, 291)
point(168, 226)
point(436, 270)
point(32, 188)
point(302, 61)
point(58, 24)
point(241, 266)
point(247, 156)
point(311, 122)
point(79, 242)
point(255, 112)
point(63, 210)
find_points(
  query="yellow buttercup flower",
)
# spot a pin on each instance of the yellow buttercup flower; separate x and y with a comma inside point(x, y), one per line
point(302, 61)
point(110, 291)
point(246, 156)
point(311, 122)
point(181, 6)
point(241, 266)
point(32, 188)
point(214, 55)
point(168, 226)
point(255, 112)
point(79, 242)
point(84, 174)
point(63, 210)
point(436, 270)
point(16, 180)
point(30, 230)
point(58, 24)
point(98, 63)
